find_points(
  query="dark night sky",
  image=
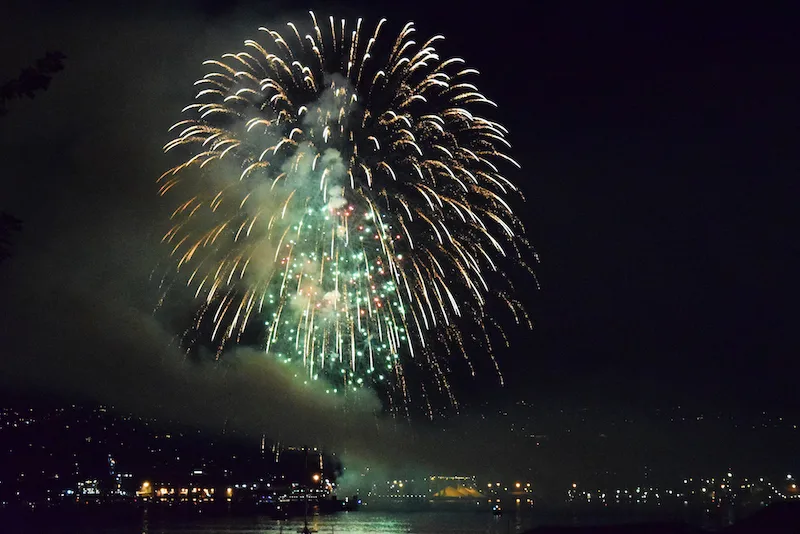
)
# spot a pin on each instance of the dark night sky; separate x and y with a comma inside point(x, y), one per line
point(669, 194)
point(659, 145)
point(660, 149)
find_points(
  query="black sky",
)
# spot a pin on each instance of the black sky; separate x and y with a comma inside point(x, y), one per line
point(659, 145)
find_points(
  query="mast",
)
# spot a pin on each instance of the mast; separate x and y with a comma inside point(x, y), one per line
point(305, 507)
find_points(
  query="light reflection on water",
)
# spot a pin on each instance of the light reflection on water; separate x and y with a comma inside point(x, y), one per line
point(370, 522)
point(354, 523)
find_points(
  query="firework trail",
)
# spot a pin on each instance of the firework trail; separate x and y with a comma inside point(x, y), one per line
point(345, 194)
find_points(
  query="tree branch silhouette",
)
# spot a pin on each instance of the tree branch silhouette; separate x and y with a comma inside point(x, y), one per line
point(30, 81)
point(8, 224)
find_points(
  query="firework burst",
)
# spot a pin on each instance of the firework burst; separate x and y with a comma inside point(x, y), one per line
point(346, 195)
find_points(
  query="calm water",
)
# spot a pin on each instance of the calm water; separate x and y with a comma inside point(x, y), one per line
point(362, 522)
